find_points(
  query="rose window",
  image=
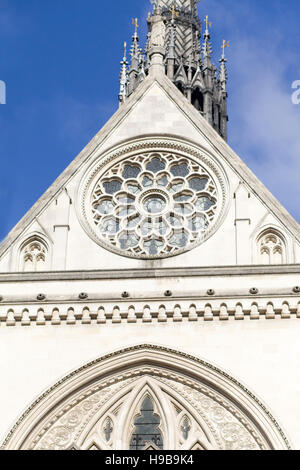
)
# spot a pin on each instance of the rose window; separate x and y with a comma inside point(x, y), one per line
point(153, 205)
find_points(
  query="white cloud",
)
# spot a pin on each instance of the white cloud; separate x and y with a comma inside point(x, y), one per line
point(265, 125)
point(263, 63)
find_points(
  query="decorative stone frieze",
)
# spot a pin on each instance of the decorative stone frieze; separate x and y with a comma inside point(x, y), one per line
point(153, 312)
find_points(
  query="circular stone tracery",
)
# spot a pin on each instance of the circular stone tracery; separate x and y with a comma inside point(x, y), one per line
point(154, 205)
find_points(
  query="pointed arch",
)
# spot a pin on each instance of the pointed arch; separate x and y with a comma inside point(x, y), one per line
point(180, 85)
point(145, 387)
point(261, 253)
point(197, 446)
point(34, 253)
point(223, 414)
point(198, 99)
point(147, 429)
point(271, 247)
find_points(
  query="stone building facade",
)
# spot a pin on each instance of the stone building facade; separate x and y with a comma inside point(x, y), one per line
point(150, 299)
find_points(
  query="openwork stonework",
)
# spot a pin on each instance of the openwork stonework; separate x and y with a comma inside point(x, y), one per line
point(154, 203)
point(271, 248)
point(33, 256)
point(139, 399)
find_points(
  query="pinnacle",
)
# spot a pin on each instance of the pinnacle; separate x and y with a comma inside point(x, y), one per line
point(176, 47)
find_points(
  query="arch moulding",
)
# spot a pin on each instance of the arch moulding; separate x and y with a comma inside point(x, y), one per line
point(94, 407)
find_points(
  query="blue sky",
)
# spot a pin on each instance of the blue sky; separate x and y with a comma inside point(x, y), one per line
point(60, 61)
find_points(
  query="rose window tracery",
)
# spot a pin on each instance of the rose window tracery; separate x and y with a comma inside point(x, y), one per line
point(153, 205)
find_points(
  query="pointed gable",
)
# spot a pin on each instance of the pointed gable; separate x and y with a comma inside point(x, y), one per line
point(156, 109)
point(198, 81)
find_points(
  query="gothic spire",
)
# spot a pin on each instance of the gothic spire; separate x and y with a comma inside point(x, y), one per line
point(207, 48)
point(123, 77)
point(135, 49)
point(171, 44)
point(223, 69)
point(142, 73)
point(188, 5)
point(175, 47)
point(136, 54)
point(197, 48)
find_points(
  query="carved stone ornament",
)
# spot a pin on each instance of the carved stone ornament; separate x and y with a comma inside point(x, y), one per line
point(153, 198)
point(158, 33)
point(192, 404)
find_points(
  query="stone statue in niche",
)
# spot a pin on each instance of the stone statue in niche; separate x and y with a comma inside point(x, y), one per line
point(158, 33)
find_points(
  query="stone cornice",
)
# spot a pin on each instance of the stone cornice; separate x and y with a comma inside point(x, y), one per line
point(154, 273)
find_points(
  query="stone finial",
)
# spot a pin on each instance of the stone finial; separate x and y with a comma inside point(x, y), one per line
point(223, 69)
point(207, 48)
point(135, 49)
point(123, 77)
